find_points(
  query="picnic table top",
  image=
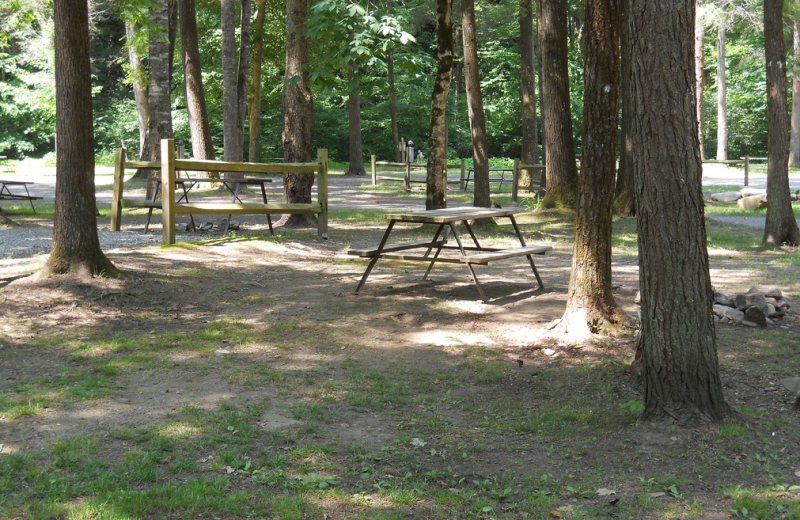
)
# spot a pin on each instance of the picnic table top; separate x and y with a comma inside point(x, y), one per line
point(444, 216)
point(16, 183)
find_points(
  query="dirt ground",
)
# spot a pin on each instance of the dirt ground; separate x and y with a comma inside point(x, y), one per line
point(303, 286)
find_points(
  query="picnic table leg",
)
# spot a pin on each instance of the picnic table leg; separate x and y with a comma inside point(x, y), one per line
point(185, 197)
point(438, 250)
point(152, 201)
point(377, 255)
point(529, 257)
point(471, 233)
point(475, 279)
point(28, 194)
point(269, 217)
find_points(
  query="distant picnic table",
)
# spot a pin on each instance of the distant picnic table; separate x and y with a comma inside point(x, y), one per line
point(7, 194)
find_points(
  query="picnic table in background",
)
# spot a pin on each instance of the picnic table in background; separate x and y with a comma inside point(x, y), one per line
point(445, 220)
point(7, 194)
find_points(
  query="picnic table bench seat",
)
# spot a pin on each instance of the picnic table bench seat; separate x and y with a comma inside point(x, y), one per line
point(369, 253)
point(502, 254)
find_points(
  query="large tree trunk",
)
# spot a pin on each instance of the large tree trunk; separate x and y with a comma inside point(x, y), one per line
point(539, 75)
point(781, 226)
point(298, 112)
point(590, 302)
point(699, 72)
point(354, 124)
point(139, 75)
point(254, 146)
point(477, 121)
point(527, 75)
point(76, 247)
point(562, 174)
point(160, 124)
point(436, 193)
point(722, 104)
point(199, 127)
point(625, 189)
point(680, 367)
point(794, 148)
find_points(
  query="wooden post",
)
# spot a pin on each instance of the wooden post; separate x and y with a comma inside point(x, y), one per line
point(322, 191)
point(374, 173)
point(746, 170)
point(463, 173)
point(515, 181)
point(407, 177)
point(116, 199)
point(168, 191)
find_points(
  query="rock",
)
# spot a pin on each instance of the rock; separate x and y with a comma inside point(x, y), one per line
point(728, 312)
point(749, 324)
point(723, 299)
point(221, 352)
point(756, 315)
point(751, 203)
point(181, 228)
point(745, 301)
point(770, 311)
point(206, 226)
point(791, 383)
point(273, 422)
point(752, 192)
point(772, 292)
point(728, 196)
point(638, 298)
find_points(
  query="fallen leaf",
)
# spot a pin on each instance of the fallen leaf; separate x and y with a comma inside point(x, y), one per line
point(229, 470)
point(605, 492)
point(658, 495)
point(555, 514)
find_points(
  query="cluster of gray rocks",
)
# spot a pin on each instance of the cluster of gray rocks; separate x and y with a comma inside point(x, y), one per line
point(758, 307)
point(749, 199)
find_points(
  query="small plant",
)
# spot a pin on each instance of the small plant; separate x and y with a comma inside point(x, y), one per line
point(315, 480)
point(633, 405)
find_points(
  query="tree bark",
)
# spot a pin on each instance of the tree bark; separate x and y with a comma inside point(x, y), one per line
point(722, 104)
point(794, 148)
point(230, 100)
point(680, 367)
point(356, 166)
point(562, 174)
point(625, 189)
point(527, 75)
point(298, 111)
point(699, 73)
point(254, 147)
point(75, 247)
point(477, 120)
point(781, 226)
point(539, 75)
point(139, 75)
point(398, 154)
point(159, 87)
point(590, 302)
point(243, 75)
point(436, 192)
point(199, 127)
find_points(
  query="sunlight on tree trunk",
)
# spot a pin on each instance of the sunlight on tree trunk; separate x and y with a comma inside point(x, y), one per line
point(254, 151)
point(794, 148)
point(527, 75)
point(699, 71)
point(477, 121)
point(356, 166)
point(722, 97)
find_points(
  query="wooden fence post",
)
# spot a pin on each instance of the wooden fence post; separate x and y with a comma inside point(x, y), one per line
point(116, 199)
point(322, 191)
point(463, 173)
point(746, 170)
point(374, 173)
point(407, 176)
point(515, 181)
point(168, 191)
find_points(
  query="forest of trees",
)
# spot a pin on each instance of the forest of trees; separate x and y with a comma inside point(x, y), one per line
point(351, 48)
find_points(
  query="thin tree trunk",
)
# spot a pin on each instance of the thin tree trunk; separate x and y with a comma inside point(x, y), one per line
point(477, 121)
point(354, 123)
point(781, 226)
point(794, 148)
point(255, 86)
point(527, 75)
point(562, 174)
point(172, 14)
point(159, 88)
point(722, 104)
point(398, 156)
point(199, 127)
point(298, 111)
point(699, 73)
point(230, 102)
point(75, 247)
point(139, 76)
point(625, 189)
point(539, 75)
point(242, 77)
point(590, 302)
point(680, 367)
point(436, 193)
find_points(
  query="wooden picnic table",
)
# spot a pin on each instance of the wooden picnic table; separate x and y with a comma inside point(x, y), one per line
point(445, 220)
point(495, 179)
point(6, 194)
